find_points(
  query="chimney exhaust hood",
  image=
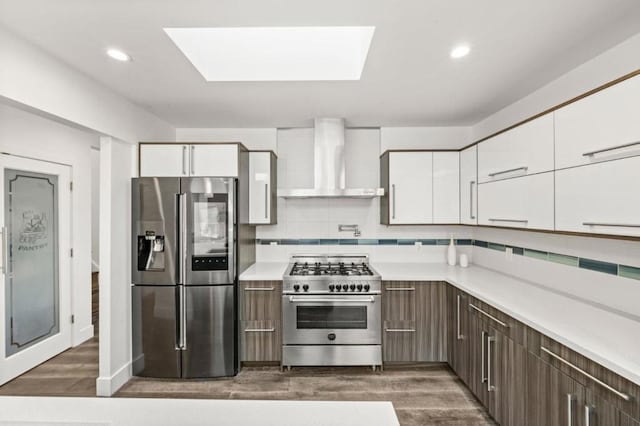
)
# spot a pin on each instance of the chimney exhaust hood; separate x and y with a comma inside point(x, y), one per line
point(329, 166)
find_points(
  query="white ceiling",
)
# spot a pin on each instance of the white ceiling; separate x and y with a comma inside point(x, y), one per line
point(408, 78)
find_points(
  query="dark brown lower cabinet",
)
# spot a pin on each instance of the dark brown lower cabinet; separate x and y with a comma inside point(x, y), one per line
point(414, 318)
point(458, 333)
point(260, 321)
point(507, 375)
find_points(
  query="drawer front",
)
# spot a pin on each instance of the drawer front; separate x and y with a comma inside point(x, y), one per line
point(524, 202)
point(261, 341)
point(399, 341)
point(524, 150)
point(599, 198)
point(604, 120)
point(399, 300)
point(261, 300)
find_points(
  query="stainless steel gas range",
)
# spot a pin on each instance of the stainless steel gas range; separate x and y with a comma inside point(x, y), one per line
point(331, 312)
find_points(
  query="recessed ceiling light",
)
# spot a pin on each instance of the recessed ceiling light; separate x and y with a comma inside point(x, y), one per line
point(460, 51)
point(118, 55)
point(275, 53)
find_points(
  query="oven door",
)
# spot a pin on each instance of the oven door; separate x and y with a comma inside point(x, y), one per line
point(331, 320)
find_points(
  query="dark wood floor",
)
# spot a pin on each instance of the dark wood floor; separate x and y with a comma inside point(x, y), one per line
point(72, 373)
point(421, 395)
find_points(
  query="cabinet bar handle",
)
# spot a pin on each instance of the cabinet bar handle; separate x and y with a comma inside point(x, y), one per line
point(622, 225)
point(587, 415)
point(184, 160)
point(259, 330)
point(589, 376)
point(458, 317)
point(259, 288)
point(191, 160)
point(488, 315)
point(471, 216)
point(482, 359)
point(400, 330)
point(490, 387)
point(598, 151)
point(523, 168)
point(570, 399)
point(400, 288)
point(393, 201)
point(266, 200)
point(492, 219)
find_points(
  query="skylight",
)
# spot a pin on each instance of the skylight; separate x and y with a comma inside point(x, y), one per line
point(275, 53)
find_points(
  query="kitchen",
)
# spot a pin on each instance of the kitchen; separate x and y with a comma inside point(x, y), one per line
point(432, 227)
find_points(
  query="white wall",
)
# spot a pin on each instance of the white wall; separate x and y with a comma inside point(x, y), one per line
point(117, 167)
point(610, 65)
point(33, 78)
point(95, 208)
point(28, 135)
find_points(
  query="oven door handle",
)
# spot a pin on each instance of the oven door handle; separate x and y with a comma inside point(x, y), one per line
point(294, 299)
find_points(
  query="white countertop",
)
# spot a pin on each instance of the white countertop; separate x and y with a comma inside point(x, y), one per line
point(190, 412)
point(264, 271)
point(600, 335)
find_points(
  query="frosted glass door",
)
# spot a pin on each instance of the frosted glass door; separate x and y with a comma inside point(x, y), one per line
point(35, 264)
point(32, 293)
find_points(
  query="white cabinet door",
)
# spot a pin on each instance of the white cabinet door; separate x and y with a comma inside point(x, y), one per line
point(214, 160)
point(469, 186)
point(604, 120)
point(164, 160)
point(259, 187)
point(446, 187)
point(525, 150)
point(523, 202)
point(600, 198)
point(411, 187)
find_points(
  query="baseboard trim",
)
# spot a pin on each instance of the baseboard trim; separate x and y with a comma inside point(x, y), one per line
point(83, 335)
point(107, 386)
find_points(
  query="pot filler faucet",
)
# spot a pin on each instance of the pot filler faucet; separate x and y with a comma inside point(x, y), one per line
point(350, 228)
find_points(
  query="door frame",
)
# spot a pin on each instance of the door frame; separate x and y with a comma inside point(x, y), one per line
point(34, 355)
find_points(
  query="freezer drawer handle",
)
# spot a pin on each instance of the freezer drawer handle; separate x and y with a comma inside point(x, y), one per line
point(259, 330)
point(491, 317)
point(622, 395)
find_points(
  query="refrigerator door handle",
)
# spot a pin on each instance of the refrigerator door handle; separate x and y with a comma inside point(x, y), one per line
point(178, 306)
point(183, 319)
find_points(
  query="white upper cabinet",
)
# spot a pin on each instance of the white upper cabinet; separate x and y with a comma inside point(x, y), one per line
point(214, 160)
point(446, 187)
point(164, 160)
point(262, 188)
point(524, 150)
point(602, 126)
point(599, 198)
point(410, 187)
point(523, 202)
point(167, 159)
point(469, 186)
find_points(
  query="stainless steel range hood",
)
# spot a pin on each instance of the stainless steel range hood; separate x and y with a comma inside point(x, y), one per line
point(329, 166)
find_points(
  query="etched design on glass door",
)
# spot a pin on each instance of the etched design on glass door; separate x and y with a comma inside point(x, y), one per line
point(32, 280)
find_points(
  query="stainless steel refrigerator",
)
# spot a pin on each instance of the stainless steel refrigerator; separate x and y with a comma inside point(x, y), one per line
point(184, 240)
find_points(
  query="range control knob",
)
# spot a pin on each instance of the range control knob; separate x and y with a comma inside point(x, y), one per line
point(367, 287)
point(296, 287)
point(331, 287)
point(305, 287)
point(345, 287)
point(359, 287)
point(352, 287)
